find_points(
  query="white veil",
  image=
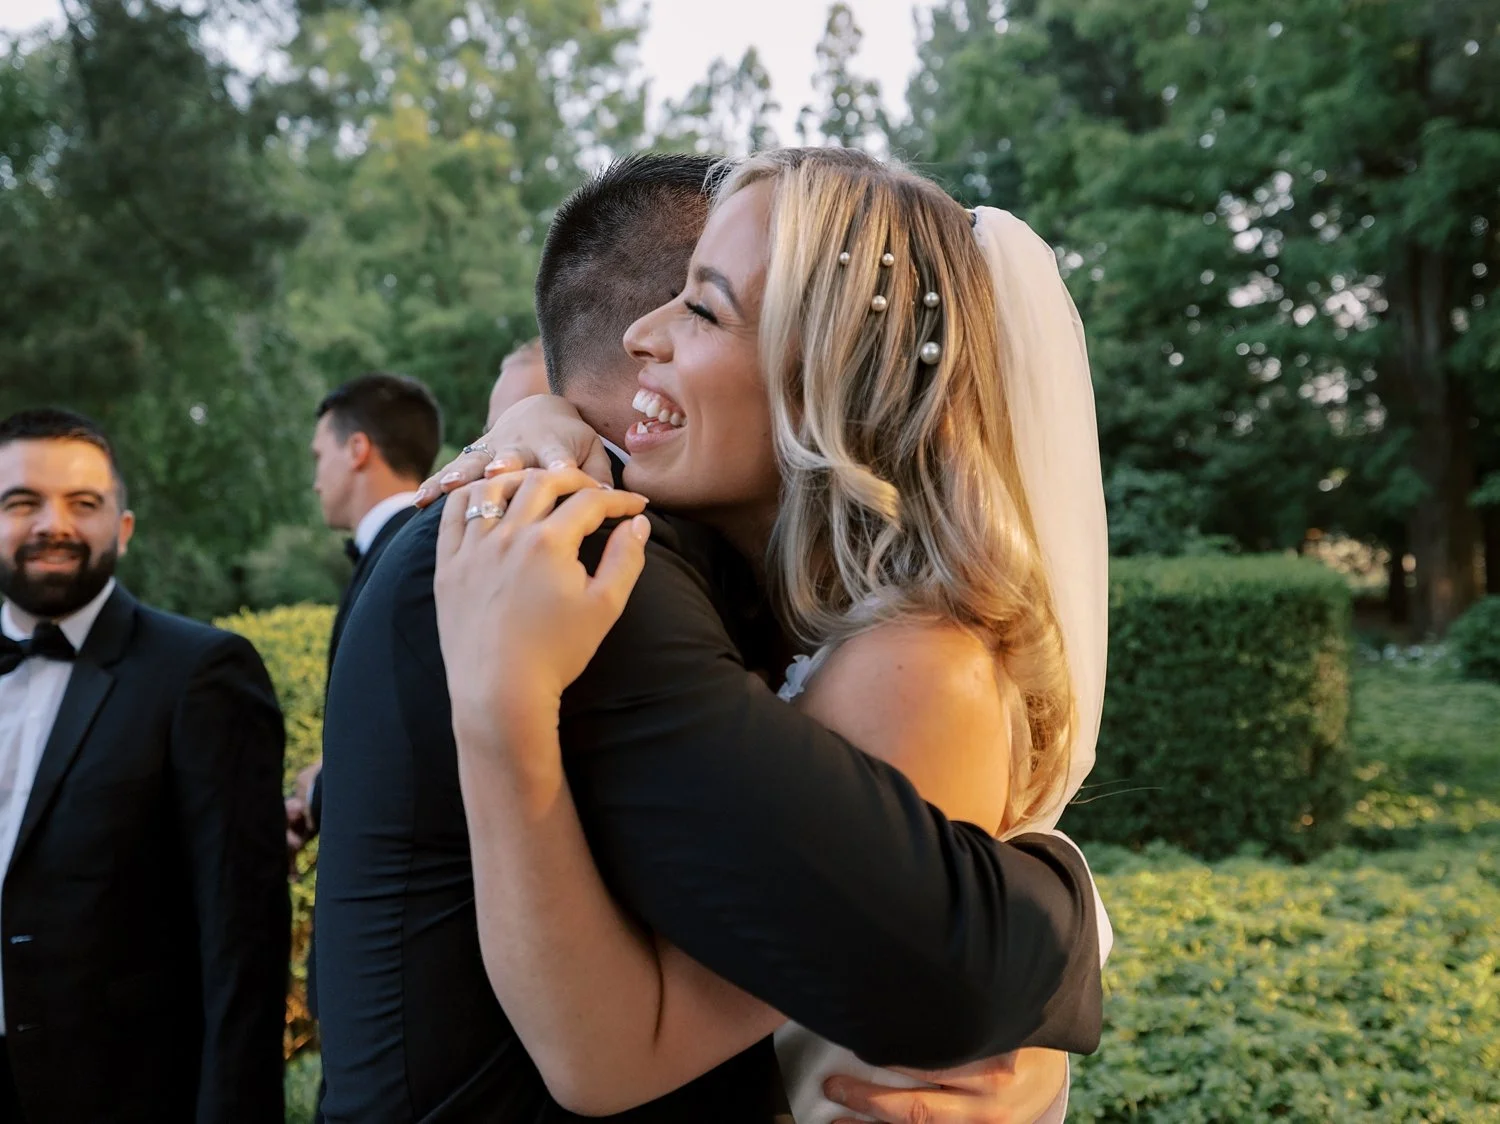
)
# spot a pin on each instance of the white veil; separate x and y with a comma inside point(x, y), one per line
point(1050, 395)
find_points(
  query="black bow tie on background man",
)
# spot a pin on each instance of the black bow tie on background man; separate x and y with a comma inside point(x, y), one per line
point(47, 642)
point(352, 552)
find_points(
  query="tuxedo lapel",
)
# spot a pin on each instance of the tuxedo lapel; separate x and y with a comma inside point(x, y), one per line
point(362, 571)
point(88, 687)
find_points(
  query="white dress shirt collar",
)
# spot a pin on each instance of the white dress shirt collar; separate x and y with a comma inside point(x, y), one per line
point(615, 449)
point(377, 517)
point(19, 624)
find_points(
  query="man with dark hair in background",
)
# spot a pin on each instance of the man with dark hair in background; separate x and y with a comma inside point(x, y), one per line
point(689, 776)
point(376, 438)
point(144, 920)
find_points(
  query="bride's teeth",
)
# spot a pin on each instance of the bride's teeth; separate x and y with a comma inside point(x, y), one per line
point(639, 401)
point(678, 419)
point(663, 414)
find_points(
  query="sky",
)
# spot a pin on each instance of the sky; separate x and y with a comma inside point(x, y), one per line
point(684, 36)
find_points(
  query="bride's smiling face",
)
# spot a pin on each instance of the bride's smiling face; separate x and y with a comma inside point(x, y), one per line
point(707, 447)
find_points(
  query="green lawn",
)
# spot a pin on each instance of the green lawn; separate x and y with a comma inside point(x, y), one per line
point(1364, 986)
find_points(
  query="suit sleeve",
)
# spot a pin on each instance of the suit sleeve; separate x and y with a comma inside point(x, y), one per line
point(227, 748)
point(807, 872)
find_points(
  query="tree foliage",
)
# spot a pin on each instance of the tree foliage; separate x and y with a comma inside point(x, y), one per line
point(140, 240)
point(1279, 219)
point(1279, 222)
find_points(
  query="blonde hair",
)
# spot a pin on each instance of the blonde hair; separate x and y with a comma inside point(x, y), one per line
point(901, 495)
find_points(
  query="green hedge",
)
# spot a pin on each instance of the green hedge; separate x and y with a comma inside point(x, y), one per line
point(1475, 639)
point(1354, 988)
point(1226, 708)
point(293, 642)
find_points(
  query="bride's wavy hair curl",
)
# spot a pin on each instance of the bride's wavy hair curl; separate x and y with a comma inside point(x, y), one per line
point(901, 496)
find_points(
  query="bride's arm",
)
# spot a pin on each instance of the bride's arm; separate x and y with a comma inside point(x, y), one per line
point(612, 1016)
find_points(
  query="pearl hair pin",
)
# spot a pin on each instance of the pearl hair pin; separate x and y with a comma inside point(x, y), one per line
point(878, 303)
point(887, 259)
point(932, 300)
point(844, 258)
point(931, 352)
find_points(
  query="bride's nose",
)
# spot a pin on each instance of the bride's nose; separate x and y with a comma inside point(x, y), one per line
point(647, 340)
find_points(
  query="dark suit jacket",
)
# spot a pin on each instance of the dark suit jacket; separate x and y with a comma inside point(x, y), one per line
point(146, 919)
point(764, 846)
point(362, 571)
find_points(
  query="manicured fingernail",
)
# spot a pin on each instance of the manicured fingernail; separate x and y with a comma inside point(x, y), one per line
point(451, 477)
point(606, 486)
point(640, 527)
point(417, 499)
point(559, 463)
point(833, 1089)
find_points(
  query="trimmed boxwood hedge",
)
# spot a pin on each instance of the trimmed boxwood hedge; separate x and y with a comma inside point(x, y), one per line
point(1226, 708)
point(293, 642)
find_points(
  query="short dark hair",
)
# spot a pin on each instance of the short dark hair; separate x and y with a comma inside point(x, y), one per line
point(398, 414)
point(618, 247)
point(45, 423)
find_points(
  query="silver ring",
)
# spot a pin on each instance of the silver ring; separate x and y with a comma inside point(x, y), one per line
point(480, 447)
point(487, 510)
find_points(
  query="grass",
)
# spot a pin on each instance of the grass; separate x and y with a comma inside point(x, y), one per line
point(1429, 757)
point(1362, 987)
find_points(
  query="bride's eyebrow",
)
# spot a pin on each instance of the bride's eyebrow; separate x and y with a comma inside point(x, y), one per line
point(708, 275)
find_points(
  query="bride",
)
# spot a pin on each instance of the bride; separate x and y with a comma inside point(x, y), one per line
point(884, 401)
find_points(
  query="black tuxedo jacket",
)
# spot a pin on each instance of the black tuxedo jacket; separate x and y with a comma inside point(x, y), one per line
point(362, 571)
point(766, 847)
point(145, 914)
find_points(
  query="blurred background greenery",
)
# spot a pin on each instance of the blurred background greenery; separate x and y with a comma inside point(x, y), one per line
point(1279, 220)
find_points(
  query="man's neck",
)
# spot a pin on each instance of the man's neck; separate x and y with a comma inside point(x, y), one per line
point(368, 525)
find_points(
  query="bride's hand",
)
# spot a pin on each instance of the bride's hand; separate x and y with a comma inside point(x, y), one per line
point(542, 431)
point(519, 617)
point(1019, 1088)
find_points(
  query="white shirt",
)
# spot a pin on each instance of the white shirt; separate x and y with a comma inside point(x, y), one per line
point(377, 517)
point(615, 449)
point(30, 697)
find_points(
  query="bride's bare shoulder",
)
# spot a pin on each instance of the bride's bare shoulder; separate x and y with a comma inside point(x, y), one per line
point(925, 698)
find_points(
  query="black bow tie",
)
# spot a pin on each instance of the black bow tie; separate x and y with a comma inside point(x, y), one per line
point(47, 642)
point(352, 552)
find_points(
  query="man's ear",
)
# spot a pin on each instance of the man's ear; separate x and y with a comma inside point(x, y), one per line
point(360, 448)
point(127, 530)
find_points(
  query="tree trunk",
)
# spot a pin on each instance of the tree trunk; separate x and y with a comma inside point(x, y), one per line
point(1397, 596)
point(1444, 529)
point(1489, 518)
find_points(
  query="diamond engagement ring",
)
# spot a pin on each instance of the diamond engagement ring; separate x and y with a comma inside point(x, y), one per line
point(487, 510)
point(480, 447)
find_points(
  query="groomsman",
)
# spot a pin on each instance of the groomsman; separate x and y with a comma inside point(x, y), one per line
point(376, 439)
point(144, 913)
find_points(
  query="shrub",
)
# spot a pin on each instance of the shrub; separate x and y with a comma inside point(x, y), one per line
point(1475, 640)
point(293, 641)
point(1352, 989)
point(1428, 757)
point(297, 565)
point(178, 574)
point(1226, 707)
